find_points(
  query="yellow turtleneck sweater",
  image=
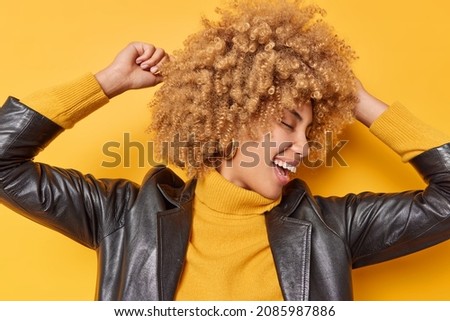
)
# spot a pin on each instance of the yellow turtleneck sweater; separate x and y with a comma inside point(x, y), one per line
point(228, 256)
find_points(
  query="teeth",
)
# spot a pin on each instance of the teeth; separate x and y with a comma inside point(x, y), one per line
point(285, 165)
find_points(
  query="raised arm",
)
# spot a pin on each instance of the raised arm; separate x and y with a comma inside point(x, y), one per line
point(77, 205)
point(381, 226)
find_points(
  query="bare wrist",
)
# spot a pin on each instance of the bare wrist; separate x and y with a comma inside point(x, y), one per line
point(369, 108)
point(111, 82)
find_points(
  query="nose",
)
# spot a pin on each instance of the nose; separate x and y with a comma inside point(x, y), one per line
point(301, 145)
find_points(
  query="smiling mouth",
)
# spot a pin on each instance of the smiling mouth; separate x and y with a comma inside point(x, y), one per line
point(284, 167)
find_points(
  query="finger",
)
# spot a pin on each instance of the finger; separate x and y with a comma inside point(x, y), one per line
point(157, 56)
point(155, 69)
point(145, 52)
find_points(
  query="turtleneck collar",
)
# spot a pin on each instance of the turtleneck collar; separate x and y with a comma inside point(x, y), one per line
point(222, 196)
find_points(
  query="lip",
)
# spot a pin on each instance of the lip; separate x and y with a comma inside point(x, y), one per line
point(293, 163)
point(283, 179)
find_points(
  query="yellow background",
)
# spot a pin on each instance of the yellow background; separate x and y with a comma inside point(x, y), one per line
point(403, 48)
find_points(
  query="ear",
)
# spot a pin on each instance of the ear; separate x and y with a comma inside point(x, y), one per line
point(230, 150)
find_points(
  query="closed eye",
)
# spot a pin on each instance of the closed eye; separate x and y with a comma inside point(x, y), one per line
point(287, 125)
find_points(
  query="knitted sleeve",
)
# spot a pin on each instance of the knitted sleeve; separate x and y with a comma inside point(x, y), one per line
point(68, 103)
point(404, 133)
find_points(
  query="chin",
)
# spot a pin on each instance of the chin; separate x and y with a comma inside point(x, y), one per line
point(273, 195)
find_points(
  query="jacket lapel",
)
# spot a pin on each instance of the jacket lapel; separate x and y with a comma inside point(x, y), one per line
point(174, 228)
point(290, 241)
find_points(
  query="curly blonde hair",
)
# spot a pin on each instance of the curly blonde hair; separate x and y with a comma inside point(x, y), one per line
point(238, 74)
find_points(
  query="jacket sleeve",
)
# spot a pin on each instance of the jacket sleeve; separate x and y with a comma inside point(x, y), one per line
point(378, 227)
point(79, 206)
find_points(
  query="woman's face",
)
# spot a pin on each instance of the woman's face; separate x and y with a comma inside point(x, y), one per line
point(265, 166)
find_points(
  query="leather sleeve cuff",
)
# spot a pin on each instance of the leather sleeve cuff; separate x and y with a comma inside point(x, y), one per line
point(433, 162)
point(24, 128)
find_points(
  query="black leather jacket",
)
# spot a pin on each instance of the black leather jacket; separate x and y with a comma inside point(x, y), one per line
point(141, 232)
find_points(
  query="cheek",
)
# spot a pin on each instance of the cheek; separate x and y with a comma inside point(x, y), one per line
point(247, 153)
point(279, 139)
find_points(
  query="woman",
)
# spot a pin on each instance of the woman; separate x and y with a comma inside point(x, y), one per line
point(239, 106)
